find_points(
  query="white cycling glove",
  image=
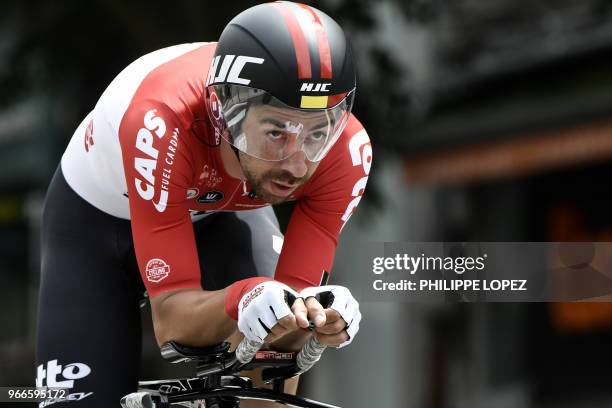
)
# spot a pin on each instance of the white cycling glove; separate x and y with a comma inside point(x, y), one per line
point(262, 307)
point(341, 300)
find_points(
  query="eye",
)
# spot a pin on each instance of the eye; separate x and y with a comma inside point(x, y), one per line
point(275, 134)
point(317, 137)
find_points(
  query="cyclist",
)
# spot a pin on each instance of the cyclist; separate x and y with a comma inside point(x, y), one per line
point(167, 185)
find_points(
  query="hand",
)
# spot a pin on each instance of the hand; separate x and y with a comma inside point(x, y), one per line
point(339, 323)
point(264, 313)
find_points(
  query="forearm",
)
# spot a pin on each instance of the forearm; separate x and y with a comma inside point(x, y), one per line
point(191, 317)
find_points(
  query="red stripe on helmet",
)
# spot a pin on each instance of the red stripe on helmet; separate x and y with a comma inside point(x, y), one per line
point(322, 43)
point(302, 54)
point(333, 100)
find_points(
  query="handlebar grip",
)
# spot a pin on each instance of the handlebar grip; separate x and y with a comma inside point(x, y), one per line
point(246, 350)
point(310, 354)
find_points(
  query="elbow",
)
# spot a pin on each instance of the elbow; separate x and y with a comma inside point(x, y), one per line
point(165, 314)
point(162, 332)
point(162, 327)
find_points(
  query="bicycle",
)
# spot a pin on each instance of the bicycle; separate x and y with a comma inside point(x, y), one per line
point(218, 384)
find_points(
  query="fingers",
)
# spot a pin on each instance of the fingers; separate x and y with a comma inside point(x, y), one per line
point(334, 324)
point(301, 313)
point(332, 315)
point(283, 326)
point(316, 314)
point(275, 333)
point(342, 323)
point(288, 322)
point(332, 328)
point(332, 340)
point(308, 311)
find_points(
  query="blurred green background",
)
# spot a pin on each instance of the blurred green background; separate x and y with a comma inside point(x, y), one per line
point(490, 121)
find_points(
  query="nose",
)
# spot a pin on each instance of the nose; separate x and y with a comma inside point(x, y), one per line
point(296, 164)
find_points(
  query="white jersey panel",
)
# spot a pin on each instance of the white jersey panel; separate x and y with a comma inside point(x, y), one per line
point(96, 173)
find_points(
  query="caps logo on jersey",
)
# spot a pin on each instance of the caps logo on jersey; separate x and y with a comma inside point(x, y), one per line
point(157, 270)
point(210, 197)
point(146, 166)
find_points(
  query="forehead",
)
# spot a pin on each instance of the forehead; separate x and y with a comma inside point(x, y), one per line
point(262, 113)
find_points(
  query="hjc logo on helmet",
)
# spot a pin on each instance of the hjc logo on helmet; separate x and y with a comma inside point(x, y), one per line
point(312, 87)
point(230, 69)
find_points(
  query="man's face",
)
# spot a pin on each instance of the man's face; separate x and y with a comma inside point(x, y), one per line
point(274, 181)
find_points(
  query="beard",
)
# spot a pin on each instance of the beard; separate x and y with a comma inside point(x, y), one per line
point(257, 182)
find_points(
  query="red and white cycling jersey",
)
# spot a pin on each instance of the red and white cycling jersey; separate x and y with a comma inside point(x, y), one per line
point(146, 153)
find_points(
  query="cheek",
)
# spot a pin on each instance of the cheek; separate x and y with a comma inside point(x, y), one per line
point(263, 167)
point(258, 169)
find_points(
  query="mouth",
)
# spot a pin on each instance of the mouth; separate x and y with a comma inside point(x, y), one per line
point(280, 189)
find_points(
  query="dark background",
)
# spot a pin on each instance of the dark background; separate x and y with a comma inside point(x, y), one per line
point(490, 121)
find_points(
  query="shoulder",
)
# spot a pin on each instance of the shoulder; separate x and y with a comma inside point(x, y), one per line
point(335, 190)
point(349, 159)
point(148, 114)
point(173, 76)
point(177, 71)
point(354, 146)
